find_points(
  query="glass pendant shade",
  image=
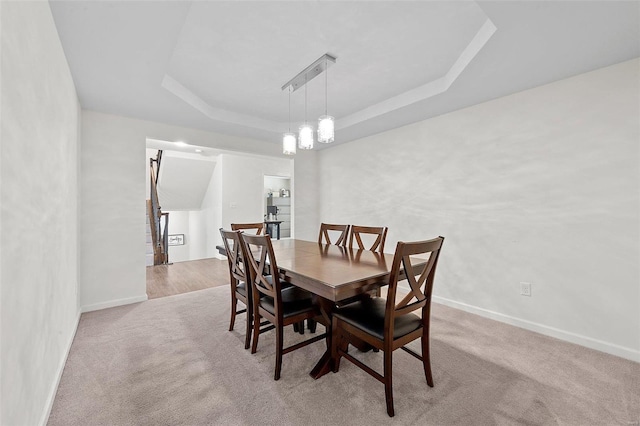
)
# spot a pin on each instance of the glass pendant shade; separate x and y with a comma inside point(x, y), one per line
point(289, 144)
point(305, 137)
point(326, 124)
point(325, 129)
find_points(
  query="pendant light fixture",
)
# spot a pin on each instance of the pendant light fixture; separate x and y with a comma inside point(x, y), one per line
point(325, 122)
point(305, 135)
point(289, 139)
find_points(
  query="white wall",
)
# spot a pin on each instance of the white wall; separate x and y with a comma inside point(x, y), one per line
point(113, 201)
point(193, 224)
point(149, 153)
point(243, 186)
point(113, 213)
point(541, 186)
point(212, 208)
point(39, 215)
point(179, 224)
point(198, 241)
point(275, 184)
point(235, 194)
point(306, 204)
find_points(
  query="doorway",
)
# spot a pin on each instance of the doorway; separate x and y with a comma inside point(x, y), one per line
point(277, 200)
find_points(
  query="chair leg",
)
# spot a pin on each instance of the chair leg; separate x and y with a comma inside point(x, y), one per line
point(335, 343)
point(279, 348)
point(234, 307)
point(426, 359)
point(388, 386)
point(256, 330)
point(312, 324)
point(298, 327)
point(247, 337)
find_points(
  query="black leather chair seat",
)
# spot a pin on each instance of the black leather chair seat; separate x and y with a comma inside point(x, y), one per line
point(294, 301)
point(368, 315)
point(242, 289)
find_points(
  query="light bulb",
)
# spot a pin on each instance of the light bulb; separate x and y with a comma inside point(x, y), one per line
point(305, 137)
point(289, 144)
point(325, 129)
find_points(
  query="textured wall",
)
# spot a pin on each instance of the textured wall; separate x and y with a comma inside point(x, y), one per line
point(243, 186)
point(113, 213)
point(212, 211)
point(113, 201)
point(179, 223)
point(195, 225)
point(306, 192)
point(541, 186)
point(39, 219)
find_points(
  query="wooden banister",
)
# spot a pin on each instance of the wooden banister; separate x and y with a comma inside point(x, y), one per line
point(159, 233)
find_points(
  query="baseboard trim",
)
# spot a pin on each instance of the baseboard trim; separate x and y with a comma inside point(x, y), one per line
point(54, 389)
point(567, 336)
point(219, 256)
point(114, 303)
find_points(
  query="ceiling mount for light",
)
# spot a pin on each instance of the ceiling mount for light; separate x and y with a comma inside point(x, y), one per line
point(305, 133)
point(289, 139)
point(310, 72)
point(326, 122)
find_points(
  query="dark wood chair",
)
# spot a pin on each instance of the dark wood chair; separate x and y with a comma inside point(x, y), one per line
point(378, 244)
point(340, 232)
point(240, 291)
point(258, 227)
point(280, 306)
point(390, 324)
point(238, 280)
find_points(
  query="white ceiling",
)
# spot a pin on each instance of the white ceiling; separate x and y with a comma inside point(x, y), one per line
point(220, 65)
point(184, 179)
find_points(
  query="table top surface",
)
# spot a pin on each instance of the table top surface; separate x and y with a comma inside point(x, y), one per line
point(333, 272)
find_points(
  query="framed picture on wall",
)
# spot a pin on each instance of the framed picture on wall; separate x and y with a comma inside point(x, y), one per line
point(176, 240)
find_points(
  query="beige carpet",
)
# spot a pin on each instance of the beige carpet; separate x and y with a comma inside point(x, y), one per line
point(172, 361)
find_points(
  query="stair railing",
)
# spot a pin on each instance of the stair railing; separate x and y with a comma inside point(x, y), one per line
point(159, 233)
point(165, 237)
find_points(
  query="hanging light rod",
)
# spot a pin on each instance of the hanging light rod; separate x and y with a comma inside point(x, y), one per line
point(310, 72)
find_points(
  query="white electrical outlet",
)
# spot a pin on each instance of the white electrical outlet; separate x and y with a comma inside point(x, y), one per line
point(525, 289)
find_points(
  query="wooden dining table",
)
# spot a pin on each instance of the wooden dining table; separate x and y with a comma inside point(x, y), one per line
point(333, 274)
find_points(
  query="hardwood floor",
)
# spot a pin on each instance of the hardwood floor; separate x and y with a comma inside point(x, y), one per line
point(183, 277)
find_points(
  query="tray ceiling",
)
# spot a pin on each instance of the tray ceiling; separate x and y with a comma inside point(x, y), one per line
point(220, 65)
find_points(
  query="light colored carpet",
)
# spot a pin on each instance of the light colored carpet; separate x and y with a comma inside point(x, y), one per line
point(172, 361)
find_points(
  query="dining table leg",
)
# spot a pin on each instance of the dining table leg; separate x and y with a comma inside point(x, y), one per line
point(325, 364)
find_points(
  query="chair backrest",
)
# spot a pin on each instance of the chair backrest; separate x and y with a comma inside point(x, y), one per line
point(420, 279)
point(341, 232)
point(261, 259)
point(378, 244)
point(258, 226)
point(235, 256)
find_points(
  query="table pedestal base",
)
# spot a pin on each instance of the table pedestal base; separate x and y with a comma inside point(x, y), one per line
point(324, 366)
